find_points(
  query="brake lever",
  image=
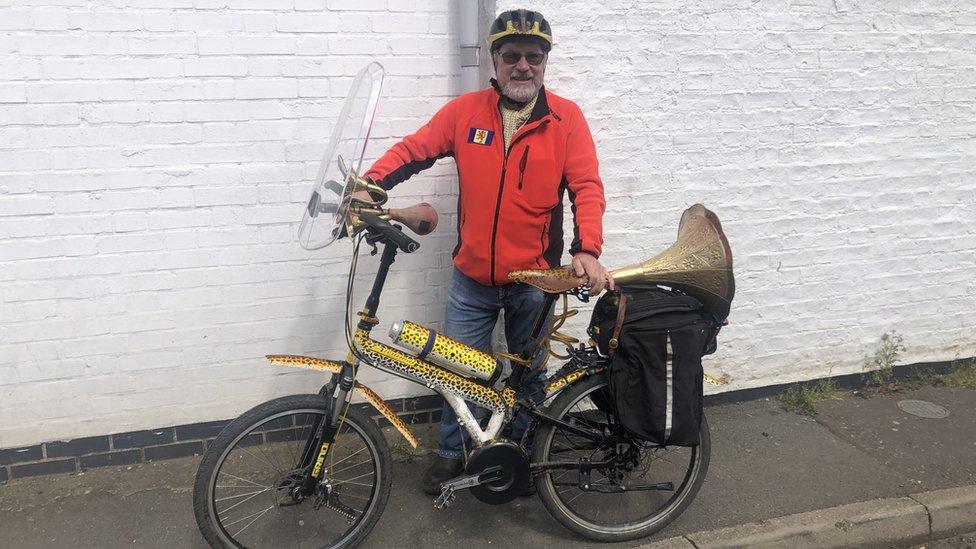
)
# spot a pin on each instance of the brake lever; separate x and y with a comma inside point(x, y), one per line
point(389, 232)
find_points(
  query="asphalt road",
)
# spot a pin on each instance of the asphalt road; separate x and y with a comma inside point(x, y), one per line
point(765, 463)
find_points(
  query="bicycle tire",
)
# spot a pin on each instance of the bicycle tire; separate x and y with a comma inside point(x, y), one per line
point(555, 501)
point(247, 429)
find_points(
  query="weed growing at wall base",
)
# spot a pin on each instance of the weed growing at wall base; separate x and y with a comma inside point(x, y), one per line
point(962, 375)
point(803, 398)
point(880, 368)
point(918, 379)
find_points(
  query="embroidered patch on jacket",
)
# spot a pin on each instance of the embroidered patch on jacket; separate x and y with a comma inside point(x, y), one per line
point(481, 137)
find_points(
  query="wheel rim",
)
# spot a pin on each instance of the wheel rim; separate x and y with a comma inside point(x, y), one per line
point(616, 513)
point(245, 490)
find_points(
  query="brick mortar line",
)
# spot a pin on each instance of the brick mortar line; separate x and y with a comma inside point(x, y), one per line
point(426, 412)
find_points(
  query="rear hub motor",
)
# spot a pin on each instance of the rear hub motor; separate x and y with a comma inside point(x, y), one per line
point(514, 472)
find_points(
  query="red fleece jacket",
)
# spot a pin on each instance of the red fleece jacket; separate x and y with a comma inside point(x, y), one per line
point(510, 212)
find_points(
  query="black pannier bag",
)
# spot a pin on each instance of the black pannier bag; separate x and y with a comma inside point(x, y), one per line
point(655, 376)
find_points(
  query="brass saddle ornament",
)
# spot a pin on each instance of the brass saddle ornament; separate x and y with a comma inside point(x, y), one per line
point(699, 264)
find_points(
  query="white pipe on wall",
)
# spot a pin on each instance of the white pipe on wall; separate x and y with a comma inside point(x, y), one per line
point(469, 44)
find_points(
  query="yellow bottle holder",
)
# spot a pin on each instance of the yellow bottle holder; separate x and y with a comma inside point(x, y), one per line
point(445, 352)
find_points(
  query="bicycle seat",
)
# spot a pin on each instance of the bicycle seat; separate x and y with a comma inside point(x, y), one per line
point(553, 281)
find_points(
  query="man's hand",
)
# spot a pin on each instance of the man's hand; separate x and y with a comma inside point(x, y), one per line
point(371, 198)
point(586, 264)
point(362, 196)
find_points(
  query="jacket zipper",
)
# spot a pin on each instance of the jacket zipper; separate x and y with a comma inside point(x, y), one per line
point(525, 158)
point(501, 190)
point(494, 225)
point(542, 242)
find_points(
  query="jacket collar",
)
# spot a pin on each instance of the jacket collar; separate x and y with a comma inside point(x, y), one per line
point(541, 108)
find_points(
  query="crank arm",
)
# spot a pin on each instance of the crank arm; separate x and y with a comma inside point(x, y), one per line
point(448, 488)
point(490, 474)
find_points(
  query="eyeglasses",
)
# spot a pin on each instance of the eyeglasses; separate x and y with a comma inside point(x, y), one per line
point(513, 57)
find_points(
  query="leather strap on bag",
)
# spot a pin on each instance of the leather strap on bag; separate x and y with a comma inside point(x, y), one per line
point(619, 324)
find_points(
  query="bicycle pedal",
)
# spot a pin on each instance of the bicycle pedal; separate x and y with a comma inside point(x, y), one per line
point(445, 499)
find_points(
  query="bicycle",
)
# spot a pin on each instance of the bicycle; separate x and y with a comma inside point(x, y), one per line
point(313, 469)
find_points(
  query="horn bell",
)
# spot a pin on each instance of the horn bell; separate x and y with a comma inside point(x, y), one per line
point(699, 264)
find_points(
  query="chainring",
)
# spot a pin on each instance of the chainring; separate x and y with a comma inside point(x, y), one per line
point(515, 472)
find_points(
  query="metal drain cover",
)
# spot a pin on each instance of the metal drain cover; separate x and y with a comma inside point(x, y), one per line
point(923, 408)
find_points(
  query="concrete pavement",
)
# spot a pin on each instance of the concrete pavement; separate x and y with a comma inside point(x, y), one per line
point(864, 471)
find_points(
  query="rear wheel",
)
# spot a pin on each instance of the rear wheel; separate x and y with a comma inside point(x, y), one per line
point(620, 515)
point(247, 490)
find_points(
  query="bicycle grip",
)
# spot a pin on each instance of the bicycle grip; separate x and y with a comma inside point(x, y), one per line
point(391, 232)
point(420, 218)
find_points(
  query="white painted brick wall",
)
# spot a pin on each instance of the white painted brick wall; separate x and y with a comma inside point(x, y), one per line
point(154, 156)
point(835, 139)
point(153, 161)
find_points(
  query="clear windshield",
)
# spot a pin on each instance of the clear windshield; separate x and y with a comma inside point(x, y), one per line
point(326, 212)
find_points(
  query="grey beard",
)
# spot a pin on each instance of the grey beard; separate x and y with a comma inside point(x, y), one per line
point(518, 94)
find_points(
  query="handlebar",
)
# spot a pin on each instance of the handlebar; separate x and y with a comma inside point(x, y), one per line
point(390, 231)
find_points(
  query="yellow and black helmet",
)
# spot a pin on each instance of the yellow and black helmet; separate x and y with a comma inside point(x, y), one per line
point(522, 25)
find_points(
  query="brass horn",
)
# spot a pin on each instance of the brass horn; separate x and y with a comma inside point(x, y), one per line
point(699, 263)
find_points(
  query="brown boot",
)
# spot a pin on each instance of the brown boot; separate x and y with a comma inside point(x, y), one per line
point(440, 469)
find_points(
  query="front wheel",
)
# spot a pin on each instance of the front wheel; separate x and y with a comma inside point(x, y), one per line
point(608, 515)
point(247, 491)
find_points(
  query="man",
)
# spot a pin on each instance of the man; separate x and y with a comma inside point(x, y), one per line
point(518, 148)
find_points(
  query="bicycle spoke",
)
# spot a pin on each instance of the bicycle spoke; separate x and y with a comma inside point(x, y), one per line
point(666, 461)
point(356, 478)
point(259, 515)
point(339, 438)
point(363, 449)
point(351, 467)
point(240, 495)
point(245, 500)
point(265, 459)
point(572, 487)
point(352, 483)
point(273, 463)
point(574, 497)
point(242, 479)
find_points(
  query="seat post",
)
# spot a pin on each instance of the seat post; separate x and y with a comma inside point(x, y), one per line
point(519, 370)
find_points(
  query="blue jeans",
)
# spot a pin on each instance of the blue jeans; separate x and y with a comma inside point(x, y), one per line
point(472, 310)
